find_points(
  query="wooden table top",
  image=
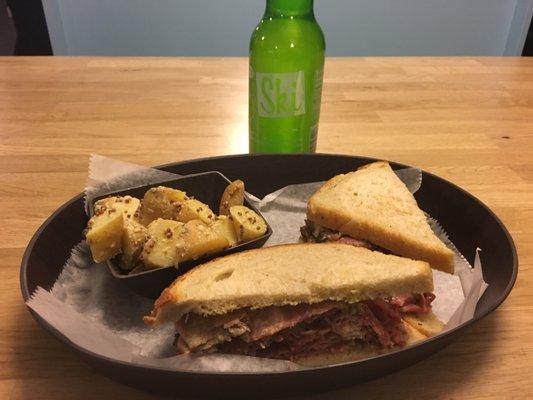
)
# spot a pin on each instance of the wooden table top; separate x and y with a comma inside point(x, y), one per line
point(468, 120)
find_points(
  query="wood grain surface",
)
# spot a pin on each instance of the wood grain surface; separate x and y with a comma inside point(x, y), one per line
point(468, 120)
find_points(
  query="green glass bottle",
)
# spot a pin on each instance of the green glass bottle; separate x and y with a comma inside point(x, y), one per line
point(285, 86)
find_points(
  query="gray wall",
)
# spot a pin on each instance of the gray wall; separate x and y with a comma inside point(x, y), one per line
point(352, 27)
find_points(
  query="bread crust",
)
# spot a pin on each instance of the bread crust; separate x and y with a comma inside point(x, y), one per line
point(288, 275)
point(373, 204)
point(426, 324)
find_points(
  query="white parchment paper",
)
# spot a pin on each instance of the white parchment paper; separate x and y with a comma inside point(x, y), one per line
point(98, 313)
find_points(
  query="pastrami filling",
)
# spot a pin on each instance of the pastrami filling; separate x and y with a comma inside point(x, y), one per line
point(315, 233)
point(290, 332)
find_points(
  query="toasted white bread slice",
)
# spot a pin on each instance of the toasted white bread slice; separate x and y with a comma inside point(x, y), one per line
point(357, 351)
point(426, 324)
point(373, 204)
point(290, 275)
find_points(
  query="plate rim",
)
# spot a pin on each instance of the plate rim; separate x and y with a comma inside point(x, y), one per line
point(130, 364)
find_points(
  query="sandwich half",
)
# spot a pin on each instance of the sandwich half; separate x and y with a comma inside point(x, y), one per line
point(314, 304)
point(371, 207)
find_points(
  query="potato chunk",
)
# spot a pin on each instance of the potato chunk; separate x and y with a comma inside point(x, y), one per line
point(161, 202)
point(233, 196)
point(104, 233)
point(128, 205)
point(224, 226)
point(248, 224)
point(134, 236)
point(192, 209)
point(159, 250)
point(198, 239)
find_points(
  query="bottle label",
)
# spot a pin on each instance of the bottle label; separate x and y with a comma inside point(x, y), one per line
point(280, 94)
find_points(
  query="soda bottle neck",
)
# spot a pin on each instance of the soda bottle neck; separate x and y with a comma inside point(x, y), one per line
point(289, 7)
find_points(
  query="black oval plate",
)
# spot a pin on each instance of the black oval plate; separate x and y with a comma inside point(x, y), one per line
point(469, 223)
